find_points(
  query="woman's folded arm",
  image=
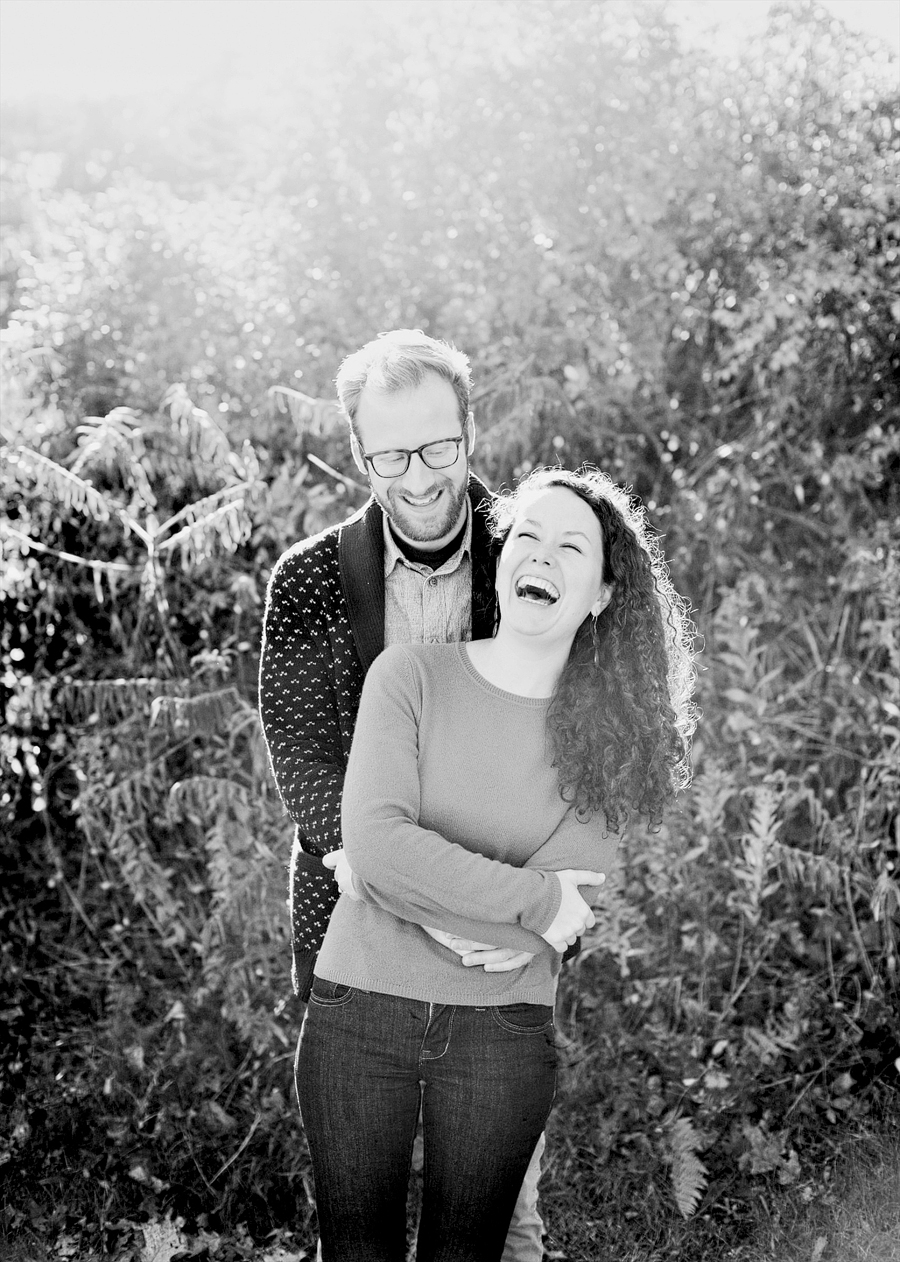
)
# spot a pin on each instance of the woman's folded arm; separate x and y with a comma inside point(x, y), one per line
point(572, 844)
point(414, 867)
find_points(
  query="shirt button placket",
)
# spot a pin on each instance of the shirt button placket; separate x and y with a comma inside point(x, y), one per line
point(428, 595)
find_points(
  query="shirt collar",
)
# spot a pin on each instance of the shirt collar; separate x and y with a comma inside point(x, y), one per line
point(394, 557)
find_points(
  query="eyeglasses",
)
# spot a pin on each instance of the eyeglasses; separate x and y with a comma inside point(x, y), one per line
point(393, 464)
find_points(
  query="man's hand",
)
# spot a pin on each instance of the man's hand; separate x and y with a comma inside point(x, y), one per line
point(443, 937)
point(481, 954)
point(459, 946)
point(496, 959)
point(343, 873)
point(574, 915)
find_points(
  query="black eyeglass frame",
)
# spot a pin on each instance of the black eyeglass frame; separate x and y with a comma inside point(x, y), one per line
point(371, 457)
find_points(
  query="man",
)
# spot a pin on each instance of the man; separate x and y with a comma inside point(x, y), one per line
point(414, 564)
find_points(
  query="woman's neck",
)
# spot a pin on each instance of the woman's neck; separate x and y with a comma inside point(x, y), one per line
point(516, 666)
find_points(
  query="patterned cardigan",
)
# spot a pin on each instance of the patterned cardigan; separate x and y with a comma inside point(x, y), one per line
point(323, 628)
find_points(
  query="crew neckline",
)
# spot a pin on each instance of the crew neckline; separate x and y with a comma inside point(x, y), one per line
point(532, 703)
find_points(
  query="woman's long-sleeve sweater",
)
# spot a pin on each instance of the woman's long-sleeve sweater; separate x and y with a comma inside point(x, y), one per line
point(452, 817)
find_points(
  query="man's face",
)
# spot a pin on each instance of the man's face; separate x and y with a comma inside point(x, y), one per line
point(426, 506)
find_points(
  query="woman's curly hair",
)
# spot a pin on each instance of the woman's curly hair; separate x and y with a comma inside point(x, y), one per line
point(621, 716)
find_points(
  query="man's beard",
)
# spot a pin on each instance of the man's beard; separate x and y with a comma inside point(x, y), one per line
point(421, 527)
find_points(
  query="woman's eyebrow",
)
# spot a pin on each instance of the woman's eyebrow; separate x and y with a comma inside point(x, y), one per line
point(529, 521)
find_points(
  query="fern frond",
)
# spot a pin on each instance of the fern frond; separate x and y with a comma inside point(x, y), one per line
point(885, 893)
point(205, 440)
point(313, 416)
point(114, 699)
point(761, 1044)
point(51, 479)
point(204, 797)
point(201, 508)
point(107, 568)
point(149, 884)
point(617, 924)
point(227, 526)
point(689, 1174)
point(785, 1030)
point(752, 867)
point(208, 712)
point(115, 440)
point(712, 789)
point(813, 871)
point(763, 819)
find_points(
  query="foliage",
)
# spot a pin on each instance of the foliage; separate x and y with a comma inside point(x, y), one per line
point(176, 875)
point(685, 271)
point(688, 1171)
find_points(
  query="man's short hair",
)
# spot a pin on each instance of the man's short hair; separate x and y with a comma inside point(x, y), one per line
point(400, 360)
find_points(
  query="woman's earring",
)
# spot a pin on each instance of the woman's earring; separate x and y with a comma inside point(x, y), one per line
point(596, 643)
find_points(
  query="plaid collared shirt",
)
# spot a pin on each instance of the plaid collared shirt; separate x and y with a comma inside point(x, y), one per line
point(422, 606)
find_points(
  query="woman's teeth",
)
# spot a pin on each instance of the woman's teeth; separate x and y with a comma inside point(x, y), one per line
point(539, 591)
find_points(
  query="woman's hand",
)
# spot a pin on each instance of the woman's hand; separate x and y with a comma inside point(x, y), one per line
point(343, 873)
point(574, 915)
point(473, 954)
point(494, 959)
point(480, 954)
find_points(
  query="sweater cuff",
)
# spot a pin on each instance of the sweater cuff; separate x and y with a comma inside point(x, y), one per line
point(547, 907)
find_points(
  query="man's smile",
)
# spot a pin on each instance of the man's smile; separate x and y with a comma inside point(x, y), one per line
point(422, 501)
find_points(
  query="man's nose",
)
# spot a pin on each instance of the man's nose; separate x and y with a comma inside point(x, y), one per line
point(418, 476)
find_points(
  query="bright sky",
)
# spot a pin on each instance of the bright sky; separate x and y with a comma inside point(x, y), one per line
point(734, 19)
point(102, 48)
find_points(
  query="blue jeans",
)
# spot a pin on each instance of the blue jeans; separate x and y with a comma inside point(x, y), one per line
point(485, 1078)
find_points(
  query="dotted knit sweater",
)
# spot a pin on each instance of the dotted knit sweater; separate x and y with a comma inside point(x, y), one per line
point(452, 817)
point(323, 628)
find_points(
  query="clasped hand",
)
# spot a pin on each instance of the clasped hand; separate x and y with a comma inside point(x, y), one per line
point(574, 915)
point(343, 873)
point(481, 954)
point(571, 920)
point(473, 954)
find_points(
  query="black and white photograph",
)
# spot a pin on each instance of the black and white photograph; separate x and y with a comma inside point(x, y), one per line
point(450, 642)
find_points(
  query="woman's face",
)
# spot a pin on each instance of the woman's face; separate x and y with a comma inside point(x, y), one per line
point(550, 573)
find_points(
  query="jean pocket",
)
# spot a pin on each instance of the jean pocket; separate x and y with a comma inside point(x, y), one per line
point(524, 1018)
point(329, 994)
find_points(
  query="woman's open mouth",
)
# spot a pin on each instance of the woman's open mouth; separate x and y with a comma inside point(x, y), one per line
point(538, 591)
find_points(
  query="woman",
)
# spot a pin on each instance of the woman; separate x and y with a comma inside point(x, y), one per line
point(487, 782)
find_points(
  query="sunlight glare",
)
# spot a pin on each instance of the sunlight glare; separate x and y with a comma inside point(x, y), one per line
point(98, 49)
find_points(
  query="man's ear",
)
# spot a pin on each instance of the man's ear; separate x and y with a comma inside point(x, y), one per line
point(356, 452)
point(469, 431)
point(606, 595)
